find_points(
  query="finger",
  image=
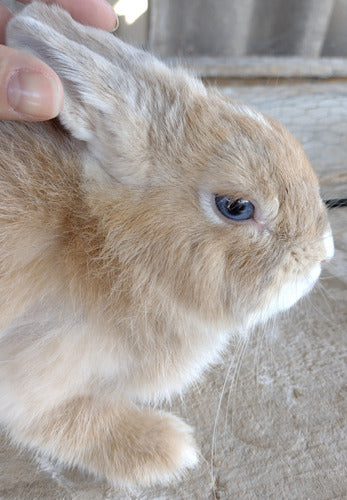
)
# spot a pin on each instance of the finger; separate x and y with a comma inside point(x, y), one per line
point(29, 89)
point(98, 13)
point(5, 15)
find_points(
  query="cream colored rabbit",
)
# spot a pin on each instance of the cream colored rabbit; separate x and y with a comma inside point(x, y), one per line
point(135, 240)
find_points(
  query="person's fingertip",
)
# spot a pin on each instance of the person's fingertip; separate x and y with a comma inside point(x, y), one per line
point(109, 20)
point(34, 94)
point(116, 25)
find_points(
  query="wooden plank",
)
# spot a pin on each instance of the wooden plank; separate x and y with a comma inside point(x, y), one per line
point(265, 67)
point(295, 28)
point(235, 28)
point(336, 36)
point(195, 28)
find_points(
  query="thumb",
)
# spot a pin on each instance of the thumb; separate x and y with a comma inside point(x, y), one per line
point(29, 89)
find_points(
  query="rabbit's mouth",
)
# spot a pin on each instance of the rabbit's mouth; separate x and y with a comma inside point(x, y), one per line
point(294, 290)
point(290, 290)
point(288, 295)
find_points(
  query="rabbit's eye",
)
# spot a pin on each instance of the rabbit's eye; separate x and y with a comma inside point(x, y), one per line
point(235, 210)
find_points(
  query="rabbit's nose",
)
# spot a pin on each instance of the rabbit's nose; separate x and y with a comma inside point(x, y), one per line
point(328, 246)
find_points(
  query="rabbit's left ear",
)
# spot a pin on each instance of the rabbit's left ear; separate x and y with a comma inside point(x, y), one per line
point(99, 95)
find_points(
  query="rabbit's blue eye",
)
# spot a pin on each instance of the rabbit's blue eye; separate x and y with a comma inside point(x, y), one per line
point(234, 209)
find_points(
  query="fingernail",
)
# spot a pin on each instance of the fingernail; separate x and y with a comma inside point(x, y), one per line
point(116, 25)
point(33, 94)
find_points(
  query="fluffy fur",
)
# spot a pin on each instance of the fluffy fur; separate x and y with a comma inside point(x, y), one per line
point(119, 280)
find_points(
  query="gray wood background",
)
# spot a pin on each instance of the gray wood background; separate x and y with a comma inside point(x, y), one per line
point(250, 27)
point(240, 38)
point(308, 28)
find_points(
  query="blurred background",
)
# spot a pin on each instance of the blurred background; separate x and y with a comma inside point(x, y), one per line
point(226, 37)
point(221, 37)
point(308, 28)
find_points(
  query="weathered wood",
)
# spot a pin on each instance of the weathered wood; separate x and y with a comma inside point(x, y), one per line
point(265, 67)
point(200, 28)
point(336, 37)
point(239, 28)
point(295, 27)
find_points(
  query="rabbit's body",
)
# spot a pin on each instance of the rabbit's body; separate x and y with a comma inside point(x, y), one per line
point(120, 280)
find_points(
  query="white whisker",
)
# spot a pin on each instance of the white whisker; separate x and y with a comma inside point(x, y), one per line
point(239, 355)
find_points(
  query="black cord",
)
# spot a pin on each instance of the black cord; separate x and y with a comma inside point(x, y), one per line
point(336, 203)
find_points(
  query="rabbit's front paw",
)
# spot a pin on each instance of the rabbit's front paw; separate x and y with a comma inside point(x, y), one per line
point(161, 448)
point(127, 445)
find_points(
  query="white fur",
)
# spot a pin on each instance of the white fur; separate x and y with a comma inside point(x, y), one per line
point(328, 244)
point(294, 290)
point(206, 201)
point(245, 110)
point(288, 295)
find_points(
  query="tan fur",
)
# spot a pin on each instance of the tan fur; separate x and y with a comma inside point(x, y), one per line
point(118, 289)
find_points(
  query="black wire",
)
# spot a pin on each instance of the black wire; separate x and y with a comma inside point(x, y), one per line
point(336, 203)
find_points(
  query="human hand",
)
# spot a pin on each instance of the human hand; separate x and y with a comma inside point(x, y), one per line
point(29, 89)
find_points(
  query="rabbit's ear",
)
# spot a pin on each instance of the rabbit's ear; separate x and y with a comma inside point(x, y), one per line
point(100, 95)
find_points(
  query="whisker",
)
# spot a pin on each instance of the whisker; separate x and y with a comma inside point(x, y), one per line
point(239, 349)
point(318, 310)
point(240, 356)
point(214, 432)
point(332, 276)
point(336, 203)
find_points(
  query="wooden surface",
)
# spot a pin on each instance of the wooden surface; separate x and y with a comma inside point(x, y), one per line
point(265, 67)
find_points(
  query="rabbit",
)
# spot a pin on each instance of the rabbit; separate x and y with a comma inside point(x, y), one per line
point(139, 232)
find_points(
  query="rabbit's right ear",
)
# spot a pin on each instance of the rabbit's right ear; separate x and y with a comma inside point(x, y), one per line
point(100, 101)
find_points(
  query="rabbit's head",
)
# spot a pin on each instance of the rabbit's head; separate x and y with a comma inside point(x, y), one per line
point(206, 203)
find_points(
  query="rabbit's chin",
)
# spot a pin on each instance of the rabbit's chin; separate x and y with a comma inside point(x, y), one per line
point(288, 295)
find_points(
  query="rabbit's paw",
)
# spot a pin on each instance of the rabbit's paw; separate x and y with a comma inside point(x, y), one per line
point(159, 448)
point(127, 445)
